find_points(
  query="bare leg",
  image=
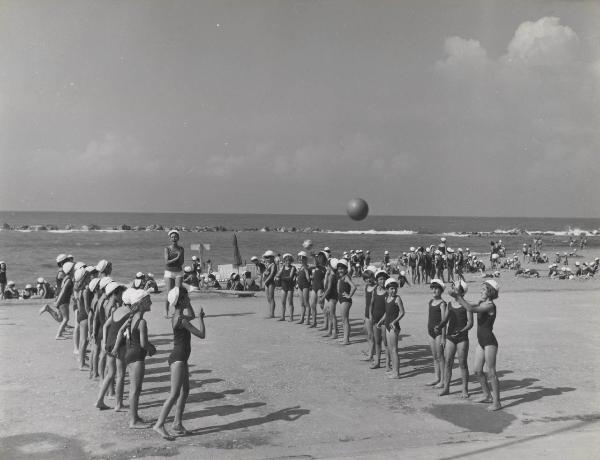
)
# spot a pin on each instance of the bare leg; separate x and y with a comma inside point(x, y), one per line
point(271, 300)
point(283, 304)
point(463, 352)
point(177, 375)
point(76, 335)
point(107, 382)
point(83, 342)
point(392, 346)
point(370, 340)
point(64, 311)
point(449, 353)
point(490, 358)
point(121, 366)
point(169, 284)
point(54, 313)
point(437, 360)
point(136, 375)
point(346, 322)
point(377, 339)
point(291, 304)
point(183, 395)
point(333, 325)
point(479, 362)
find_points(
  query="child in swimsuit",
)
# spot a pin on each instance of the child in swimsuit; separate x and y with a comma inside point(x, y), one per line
point(303, 280)
point(346, 289)
point(178, 359)
point(394, 311)
point(317, 287)
point(368, 277)
point(287, 277)
point(459, 321)
point(377, 312)
point(137, 347)
point(487, 348)
point(117, 316)
point(437, 310)
point(61, 314)
point(269, 281)
point(330, 296)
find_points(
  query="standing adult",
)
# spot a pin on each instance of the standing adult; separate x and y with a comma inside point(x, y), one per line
point(174, 257)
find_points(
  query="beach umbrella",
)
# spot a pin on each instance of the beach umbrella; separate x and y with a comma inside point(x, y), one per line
point(237, 257)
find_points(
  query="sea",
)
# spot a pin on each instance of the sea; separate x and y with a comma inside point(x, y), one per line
point(31, 254)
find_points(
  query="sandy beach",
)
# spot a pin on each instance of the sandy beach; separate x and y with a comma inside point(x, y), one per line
point(268, 389)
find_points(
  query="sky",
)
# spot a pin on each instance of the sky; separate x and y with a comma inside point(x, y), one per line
point(470, 108)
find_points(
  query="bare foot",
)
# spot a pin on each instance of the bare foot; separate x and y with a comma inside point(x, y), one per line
point(495, 406)
point(375, 366)
point(44, 308)
point(312, 326)
point(431, 384)
point(100, 405)
point(85, 367)
point(367, 358)
point(485, 399)
point(120, 408)
point(444, 392)
point(393, 376)
point(75, 352)
point(439, 385)
point(464, 395)
point(179, 429)
point(161, 430)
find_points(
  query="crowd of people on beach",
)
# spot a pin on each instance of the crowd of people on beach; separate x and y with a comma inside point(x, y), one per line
point(109, 318)
point(327, 284)
point(109, 315)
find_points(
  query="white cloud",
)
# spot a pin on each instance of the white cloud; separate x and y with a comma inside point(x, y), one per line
point(462, 53)
point(542, 43)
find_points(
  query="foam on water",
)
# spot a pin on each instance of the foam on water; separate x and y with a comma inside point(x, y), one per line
point(373, 232)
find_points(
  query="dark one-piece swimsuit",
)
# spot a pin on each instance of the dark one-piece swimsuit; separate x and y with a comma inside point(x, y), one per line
point(457, 320)
point(485, 326)
point(378, 306)
point(392, 310)
point(182, 347)
point(435, 318)
point(135, 352)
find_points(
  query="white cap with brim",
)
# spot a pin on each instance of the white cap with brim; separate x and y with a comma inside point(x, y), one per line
point(381, 273)
point(28, 286)
point(171, 232)
point(269, 253)
point(79, 265)
point(61, 258)
point(494, 284)
point(302, 254)
point(112, 287)
point(93, 284)
point(10, 283)
point(67, 267)
point(437, 282)
point(287, 254)
point(187, 269)
point(79, 274)
point(90, 269)
point(41, 280)
point(333, 262)
point(101, 266)
point(253, 258)
point(391, 282)
point(105, 282)
point(136, 296)
point(342, 262)
point(412, 249)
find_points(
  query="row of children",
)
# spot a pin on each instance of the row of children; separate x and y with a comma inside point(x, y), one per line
point(110, 317)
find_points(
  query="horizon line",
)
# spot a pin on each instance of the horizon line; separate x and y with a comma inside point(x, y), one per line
point(295, 214)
